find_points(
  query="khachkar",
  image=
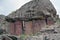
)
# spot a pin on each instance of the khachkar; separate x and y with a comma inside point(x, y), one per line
point(31, 17)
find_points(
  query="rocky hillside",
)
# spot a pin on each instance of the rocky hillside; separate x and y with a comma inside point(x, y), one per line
point(3, 23)
point(2, 20)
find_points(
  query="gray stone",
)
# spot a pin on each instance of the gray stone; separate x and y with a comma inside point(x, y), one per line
point(33, 7)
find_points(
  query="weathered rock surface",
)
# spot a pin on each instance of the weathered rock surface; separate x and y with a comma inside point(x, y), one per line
point(2, 20)
point(45, 37)
point(3, 23)
point(33, 8)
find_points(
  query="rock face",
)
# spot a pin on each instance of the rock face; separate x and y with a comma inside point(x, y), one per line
point(3, 23)
point(33, 8)
point(29, 18)
point(45, 37)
